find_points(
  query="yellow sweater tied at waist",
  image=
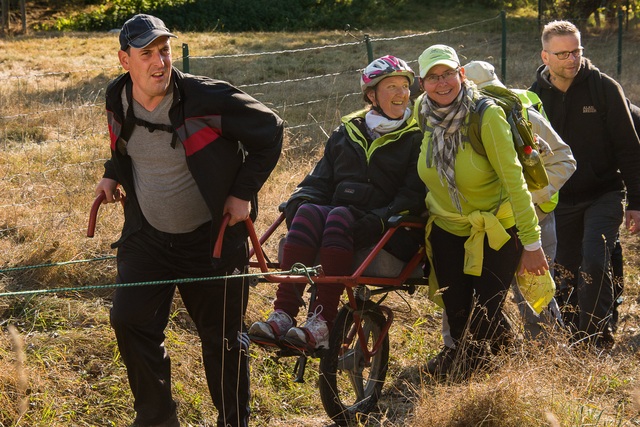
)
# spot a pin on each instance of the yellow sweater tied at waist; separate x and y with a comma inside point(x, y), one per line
point(479, 224)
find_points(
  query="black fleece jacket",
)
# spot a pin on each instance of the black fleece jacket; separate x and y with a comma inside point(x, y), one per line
point(379, 176)
point(604, 144)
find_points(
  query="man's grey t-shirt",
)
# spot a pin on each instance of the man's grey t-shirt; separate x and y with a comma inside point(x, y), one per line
point(167, 193)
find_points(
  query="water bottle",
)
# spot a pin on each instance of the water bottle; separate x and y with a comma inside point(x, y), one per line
point(530, 157)
point(534, 172)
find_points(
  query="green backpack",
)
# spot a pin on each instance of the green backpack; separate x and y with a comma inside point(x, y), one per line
point(523, 138)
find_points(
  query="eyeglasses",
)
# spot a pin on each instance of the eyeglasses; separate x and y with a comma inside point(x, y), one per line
point(446, 76)
point(565, 54)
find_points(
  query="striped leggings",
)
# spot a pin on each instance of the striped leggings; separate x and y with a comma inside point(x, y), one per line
point(317, 234)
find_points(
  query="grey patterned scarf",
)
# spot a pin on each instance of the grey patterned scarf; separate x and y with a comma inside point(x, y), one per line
point(445, 124)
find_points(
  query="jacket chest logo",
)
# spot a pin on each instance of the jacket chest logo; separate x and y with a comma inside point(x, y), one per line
point(589, 109)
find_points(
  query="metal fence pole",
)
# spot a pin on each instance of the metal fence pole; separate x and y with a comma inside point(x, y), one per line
point(503, 19)
point(185, 57)
point(540, 12)
point(23, 12)
point(367, 41)
point(5, 15)
point(619, 43)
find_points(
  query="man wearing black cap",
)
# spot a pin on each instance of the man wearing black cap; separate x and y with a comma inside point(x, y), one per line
point(186, 151)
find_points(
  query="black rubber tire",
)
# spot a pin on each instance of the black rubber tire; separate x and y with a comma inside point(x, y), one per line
point(347, 387)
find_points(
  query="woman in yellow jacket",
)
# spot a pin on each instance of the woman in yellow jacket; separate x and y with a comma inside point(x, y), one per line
point(482, 227)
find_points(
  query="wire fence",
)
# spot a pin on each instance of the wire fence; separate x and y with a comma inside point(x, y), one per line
point(326, 71)
point(53, 134)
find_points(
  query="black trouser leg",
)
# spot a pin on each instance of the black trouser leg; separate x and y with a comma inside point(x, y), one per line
point(218, 310)
point(139, 316)
point(475, 301)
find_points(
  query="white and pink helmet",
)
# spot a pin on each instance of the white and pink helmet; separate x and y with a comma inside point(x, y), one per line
point(385, 67)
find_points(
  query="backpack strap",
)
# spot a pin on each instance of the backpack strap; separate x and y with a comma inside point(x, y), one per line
point(131, 121)
point(475, 124)
point(635, 115)
point(416, 112)
point(530, 99)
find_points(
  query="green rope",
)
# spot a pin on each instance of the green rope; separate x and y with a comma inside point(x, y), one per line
point(296, 269)
point(56, 264)
point(299, 269)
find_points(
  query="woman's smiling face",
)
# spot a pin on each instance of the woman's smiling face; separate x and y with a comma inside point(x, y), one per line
point(442, 84)
point(391, 95)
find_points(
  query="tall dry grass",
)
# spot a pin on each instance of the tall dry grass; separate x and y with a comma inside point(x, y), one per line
point(53, 142)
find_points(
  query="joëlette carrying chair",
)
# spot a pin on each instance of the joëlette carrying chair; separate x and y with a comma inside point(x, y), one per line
point(354, 367)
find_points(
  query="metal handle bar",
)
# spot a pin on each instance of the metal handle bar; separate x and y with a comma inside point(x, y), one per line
point(217, 247)
point(93, 214)
point(255, 243)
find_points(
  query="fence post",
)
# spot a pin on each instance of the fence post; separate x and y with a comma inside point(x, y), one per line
point(185, 57)
point(367, 41)
point(503, 19)
point(5, 15)
point(619, 43)
point(540, 12)
point(23, 13)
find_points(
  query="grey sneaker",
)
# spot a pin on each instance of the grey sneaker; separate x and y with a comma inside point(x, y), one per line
point(276, 325)
point(314, 334)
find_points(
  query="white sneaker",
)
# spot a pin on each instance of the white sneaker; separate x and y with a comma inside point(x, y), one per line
point(314, 334)
point(276, 325)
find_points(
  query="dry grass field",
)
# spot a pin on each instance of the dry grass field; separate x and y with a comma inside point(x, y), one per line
point(59, 364)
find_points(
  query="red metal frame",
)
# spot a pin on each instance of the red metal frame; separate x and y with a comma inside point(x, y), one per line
point(355, 279)
point(259, 260)
point(93, 214)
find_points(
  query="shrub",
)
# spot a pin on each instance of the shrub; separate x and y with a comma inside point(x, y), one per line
point(236, 15)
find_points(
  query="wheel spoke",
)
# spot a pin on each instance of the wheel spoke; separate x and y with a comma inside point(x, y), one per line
point(347, 362)
point(352, 382)
point(355, 366)
point(357, 382)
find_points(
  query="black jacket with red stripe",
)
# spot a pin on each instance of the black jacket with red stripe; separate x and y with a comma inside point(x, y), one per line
point(232, 143)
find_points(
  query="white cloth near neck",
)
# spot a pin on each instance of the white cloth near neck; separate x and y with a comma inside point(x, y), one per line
point(381, 125)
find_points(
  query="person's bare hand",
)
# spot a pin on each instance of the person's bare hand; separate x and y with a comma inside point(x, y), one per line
point(110, 189)
point(237, 209)
point(632, 221)
point(534, 262)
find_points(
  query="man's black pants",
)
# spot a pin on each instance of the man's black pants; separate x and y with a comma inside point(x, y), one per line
point(140, 314)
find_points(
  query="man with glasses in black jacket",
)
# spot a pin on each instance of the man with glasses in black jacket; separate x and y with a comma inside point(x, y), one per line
point(592, 204)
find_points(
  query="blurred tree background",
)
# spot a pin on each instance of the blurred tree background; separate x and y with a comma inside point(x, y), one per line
point(603, 12)
point(296, 15)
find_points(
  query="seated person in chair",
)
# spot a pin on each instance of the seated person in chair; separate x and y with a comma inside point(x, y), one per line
point(367, 174)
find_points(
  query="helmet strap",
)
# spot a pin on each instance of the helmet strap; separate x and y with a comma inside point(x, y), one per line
point(378, 110)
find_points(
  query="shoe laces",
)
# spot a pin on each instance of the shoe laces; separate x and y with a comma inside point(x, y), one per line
point(315, 321)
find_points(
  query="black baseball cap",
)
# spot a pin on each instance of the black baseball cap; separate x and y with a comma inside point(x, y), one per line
point(141, 30)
